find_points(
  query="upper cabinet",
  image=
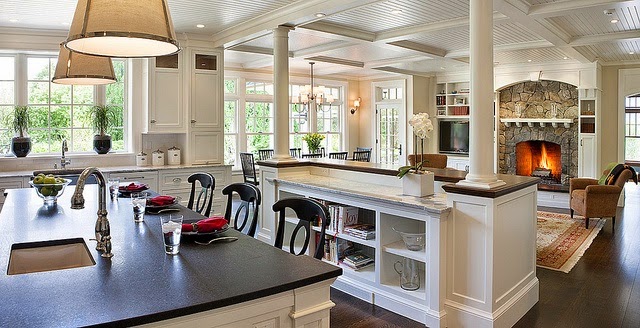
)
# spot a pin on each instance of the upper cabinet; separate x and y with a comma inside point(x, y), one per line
point(206, 82)
point(166, 108)
point(452, 99)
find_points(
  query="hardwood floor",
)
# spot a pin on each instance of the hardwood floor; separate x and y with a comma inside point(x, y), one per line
point(602, 290)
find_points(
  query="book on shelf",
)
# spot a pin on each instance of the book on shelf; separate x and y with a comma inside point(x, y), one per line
point(342, 216)
point(362, 231)
point(357, 260)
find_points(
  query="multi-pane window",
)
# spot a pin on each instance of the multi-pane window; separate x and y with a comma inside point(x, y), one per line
point(299, 125)
point(57, 112)
point(632, 128)
point(328, 121)
point(7, 100)
point(230, 121)
point(259, 126)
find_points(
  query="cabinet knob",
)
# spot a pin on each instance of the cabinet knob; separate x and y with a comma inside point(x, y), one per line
point(193, 121)
point(153, 121)
point(177, 180)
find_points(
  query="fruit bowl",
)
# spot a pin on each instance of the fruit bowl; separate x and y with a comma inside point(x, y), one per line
point(414, 241)
point(50, 192)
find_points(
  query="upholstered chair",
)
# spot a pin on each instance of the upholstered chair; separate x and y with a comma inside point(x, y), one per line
point(437, 161)
point(592, 200)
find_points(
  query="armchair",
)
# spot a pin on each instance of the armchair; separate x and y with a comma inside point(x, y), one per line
point(592, 200)
point(438, 161)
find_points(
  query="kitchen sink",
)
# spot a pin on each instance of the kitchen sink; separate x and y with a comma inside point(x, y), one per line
point(49, 255)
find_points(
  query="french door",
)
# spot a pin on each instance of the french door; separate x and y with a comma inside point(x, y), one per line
point(390, 123)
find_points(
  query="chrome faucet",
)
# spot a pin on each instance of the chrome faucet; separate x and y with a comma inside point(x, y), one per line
point(102, 229)
point(63, 160)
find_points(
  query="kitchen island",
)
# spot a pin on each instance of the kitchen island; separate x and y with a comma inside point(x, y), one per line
point(243, 283)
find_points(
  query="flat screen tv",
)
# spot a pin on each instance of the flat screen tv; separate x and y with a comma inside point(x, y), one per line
point(454, 137)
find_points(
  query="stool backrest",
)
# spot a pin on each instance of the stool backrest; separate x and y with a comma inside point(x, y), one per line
point(200, 201)
point(308, 211)
point(250, 199)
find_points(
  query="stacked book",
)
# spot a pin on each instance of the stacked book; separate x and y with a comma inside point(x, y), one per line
point(357, 261)
point(362, 231)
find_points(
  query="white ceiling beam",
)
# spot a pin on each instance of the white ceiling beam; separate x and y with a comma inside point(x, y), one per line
point(431, 51)
point(295, 12)
point(256, 50)
point(335, 60)
point(403, 33)
point(339, 30)
point(391, 61)
point(260, 63)
point(504, 48)
point(606, 37)
point(563, 8)
point(543, 28)
point(324, 47)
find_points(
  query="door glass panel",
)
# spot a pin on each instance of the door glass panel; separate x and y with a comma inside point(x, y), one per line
point(388, 139)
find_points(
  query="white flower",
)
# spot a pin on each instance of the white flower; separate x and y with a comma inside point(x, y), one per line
point(421, 125)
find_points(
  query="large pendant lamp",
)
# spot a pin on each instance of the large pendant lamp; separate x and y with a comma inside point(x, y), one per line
point(80, 69)
point(122, 28)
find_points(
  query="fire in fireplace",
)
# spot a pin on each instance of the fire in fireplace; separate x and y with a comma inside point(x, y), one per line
point(542, 159)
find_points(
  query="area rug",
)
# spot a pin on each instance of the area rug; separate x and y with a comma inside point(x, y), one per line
point(562, 241)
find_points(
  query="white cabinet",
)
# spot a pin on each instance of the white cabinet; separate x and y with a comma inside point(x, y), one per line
point(587, 156)
point(149, 178)
point(206, 86)
point(206, 147)
point(175, 182)
point(458, 163)
point(166, 108)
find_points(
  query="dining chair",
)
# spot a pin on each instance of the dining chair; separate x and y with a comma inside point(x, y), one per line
point(250, 199)
point(364, 149)
point(264, 154)
point(295, 152)
point(339, 155)
point(201, 202)
point(307, 210)
point(318, 155)
point(248, 168)
point(361, 156)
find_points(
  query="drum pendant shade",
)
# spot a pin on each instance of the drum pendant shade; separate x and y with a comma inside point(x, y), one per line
point(122, 28)
point(80, 69)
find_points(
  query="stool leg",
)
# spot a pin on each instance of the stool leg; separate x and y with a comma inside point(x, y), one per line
point(572, 213)
point(586, 221)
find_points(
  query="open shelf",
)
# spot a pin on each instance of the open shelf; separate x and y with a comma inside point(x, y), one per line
point(367, 273)
point(399, 248)
point(366, 242)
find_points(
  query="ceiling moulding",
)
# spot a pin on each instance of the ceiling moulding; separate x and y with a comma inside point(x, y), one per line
point(563, 8)
point(606, 37)
point(334, 45)
point(340, 30)
point(295, 12)
point(505, 48)
point(402, 71)
point(255, 50)
point(428, 50)
point(338, 61)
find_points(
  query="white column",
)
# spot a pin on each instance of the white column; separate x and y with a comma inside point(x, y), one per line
point(281, 93)
point(481, 174)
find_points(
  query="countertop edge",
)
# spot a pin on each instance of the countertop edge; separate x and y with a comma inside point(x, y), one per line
point(513, 183)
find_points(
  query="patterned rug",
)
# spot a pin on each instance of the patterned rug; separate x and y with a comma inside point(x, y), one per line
point(561, 241)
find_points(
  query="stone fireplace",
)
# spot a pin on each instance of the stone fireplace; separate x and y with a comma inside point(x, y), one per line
point(525, 147)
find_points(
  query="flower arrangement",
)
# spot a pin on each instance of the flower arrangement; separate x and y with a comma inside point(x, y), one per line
point(421, 127)
point(313, 141)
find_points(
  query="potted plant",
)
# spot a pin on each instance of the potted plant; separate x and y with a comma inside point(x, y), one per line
point(417, 182)
point(103, 117)
point(19, 122)
point(313, 141)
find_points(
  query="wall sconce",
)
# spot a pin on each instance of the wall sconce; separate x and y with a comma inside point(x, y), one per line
point(356, 105)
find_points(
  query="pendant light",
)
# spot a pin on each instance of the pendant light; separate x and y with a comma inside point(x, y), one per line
point(80, 69)
point(122, 28)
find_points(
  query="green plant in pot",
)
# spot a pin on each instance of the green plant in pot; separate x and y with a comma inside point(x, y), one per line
point(19, 122)
point(102, 118)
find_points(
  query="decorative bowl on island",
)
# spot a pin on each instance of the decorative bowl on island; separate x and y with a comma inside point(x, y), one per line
point(414, 241)
point(49, 190)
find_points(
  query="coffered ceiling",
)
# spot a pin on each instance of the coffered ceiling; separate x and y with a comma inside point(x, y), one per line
point(371, 37)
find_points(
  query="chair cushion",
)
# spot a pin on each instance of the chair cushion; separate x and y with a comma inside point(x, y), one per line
point(578, 196)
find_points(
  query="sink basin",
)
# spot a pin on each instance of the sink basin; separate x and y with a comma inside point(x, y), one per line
point(49, 255)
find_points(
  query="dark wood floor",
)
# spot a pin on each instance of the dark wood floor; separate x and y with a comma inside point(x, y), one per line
point(602, 290)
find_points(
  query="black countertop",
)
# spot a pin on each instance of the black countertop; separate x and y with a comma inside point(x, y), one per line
point(140, 284)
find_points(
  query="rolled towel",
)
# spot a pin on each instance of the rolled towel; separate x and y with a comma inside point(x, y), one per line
point(211, 224)
point(161, 200)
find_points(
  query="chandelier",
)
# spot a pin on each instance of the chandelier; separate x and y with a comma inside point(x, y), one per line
point(311, 95)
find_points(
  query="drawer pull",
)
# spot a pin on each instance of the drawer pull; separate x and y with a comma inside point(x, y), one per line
point(133, 178)
point(153, 121)
point(177, 180)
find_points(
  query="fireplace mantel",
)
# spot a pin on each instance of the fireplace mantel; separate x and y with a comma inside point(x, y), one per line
point(541, 121)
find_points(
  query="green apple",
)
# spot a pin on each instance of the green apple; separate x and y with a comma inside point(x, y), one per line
point(49, 180)
point(38, 179)
point(46, 191)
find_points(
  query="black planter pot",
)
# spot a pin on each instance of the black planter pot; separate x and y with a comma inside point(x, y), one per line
point(101, 144)
point(21, 146)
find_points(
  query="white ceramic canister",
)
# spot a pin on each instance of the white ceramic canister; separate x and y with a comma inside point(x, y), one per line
point(173, 154)
point(157, 158)
point(142, 159)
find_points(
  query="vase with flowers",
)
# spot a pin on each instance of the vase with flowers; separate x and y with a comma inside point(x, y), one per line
point(313, 141)
point(416, 181)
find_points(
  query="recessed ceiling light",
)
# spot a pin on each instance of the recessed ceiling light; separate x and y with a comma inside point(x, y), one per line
point(631, 52)
point(441, 67)
point(200, 26)
point(13, 20)
point(613, 21)
point(396, 11)
point(320, 15)
point(565, 57)
point(529, 60)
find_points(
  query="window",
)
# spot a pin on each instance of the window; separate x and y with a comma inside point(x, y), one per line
point(249, 118)
point(632, 129)
point(7, 100)
point(57, 111)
